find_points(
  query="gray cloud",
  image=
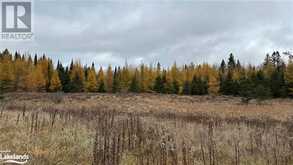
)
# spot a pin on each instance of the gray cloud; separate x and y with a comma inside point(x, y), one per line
point(108, 32)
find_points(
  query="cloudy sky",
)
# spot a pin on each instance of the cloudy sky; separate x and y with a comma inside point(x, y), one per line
point(111, 31)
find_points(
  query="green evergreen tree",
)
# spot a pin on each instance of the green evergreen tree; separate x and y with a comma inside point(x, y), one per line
point(246, 87)
point(62, 74)
point(102, 87)
point(186, 88)
point(36, 60)
point(175, 87)
point(158, 85)
point(278, 86)
point(204, 87)
point(49, 74)
point(166, 86)
point(261, 92)
point(222, 67)
point(195, 86)
point(228, 86)
point(231, 62)
point(199, 86)
point(116, 81)
point(76, 84)
point(134, 85)
point(65, 81)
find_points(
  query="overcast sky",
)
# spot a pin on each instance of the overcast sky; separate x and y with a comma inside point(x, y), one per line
point(110, 31)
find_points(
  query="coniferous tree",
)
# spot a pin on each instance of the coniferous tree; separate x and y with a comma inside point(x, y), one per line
point(35, 60)
point(276, 59)
point(49, 73)
point(91, 83)
point(66, 82)
point(134, 86)
point(109, 79)
point(21, 69)
point(222, 67)
point(238, 65)
point(175, 87)
point(186, 88)
point(6, 72)
point(213, 85)
point(151, 78)
point(272, 78)
point(55, 83)
point(204, 87)
point(35, 80)
point(289, 77)
point(77, 78)
point(116, 81)
point(195, 86)
point(158, 85)
point(231, 62)
point(198, 86)
point(101, 81)
point(278, 86)
point(158, 71)
point(227, 84)
point(102, 87)
point(77, 83)
point(125, 77)
point(142, 78)
point(246, 87)
point(165, 85)
point(62, 74)
point(261, 92)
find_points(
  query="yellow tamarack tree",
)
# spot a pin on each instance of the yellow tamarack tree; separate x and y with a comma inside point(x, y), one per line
point(91, 84)
point(55, 83)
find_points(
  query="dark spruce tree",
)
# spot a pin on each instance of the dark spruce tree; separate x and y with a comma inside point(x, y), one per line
point(278, 86)
point(134, 85)
point(166, 85)
point(199, 86)
point(195, 86)
point(222, 67)
point(36, 60)
point(186, 88)
point(102, 87)
point(158, 85)
point(204, 86)
point(76, 84)
point(228, 85)
point(116, 81)
point(68, 86)
point(175, 87)
point(62, 75)
point(246, 89)
point(231, 62)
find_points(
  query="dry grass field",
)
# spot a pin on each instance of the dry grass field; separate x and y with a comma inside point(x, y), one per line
point(146, 129)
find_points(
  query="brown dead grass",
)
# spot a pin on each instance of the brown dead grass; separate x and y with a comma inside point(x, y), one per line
point(220, 106)
point(200, 125)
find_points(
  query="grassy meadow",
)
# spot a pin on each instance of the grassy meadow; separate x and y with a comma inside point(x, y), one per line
point(146, 129)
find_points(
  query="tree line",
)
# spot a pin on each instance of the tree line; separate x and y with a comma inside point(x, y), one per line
point(273, 78)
